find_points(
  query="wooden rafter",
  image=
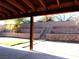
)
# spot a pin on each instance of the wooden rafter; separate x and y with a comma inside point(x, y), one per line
point(43, 3)
point(16, 4)
point(3, 10)
point(40, 9)
point(27, 2)
point(7, 6)
point(3, 15)
point(58, 3)
point(75, 1)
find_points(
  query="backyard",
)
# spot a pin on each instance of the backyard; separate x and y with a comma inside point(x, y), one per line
point(13, 41)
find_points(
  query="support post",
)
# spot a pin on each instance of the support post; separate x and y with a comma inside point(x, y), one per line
point(31, 32)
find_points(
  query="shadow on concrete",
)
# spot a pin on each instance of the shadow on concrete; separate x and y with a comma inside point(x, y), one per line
point(9, 53)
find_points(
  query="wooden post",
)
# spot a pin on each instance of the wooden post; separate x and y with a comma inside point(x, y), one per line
point(31, 33)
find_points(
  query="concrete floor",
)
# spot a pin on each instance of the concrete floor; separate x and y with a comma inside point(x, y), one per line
point(9, 53)
point(42, 50)
point(61, 49)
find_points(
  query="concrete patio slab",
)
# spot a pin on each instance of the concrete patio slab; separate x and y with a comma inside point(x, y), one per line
point(62, 49)
point(42, 50)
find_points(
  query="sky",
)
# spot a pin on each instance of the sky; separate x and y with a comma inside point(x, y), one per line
point(67, 15)
point(37, 18)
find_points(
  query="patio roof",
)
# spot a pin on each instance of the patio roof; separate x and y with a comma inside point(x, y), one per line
point(24, 8)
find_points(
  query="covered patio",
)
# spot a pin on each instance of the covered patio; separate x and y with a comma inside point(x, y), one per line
point(10, 9)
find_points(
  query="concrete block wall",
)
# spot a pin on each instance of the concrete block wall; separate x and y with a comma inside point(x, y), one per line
point(63, 37)
point(19, 35)
point(57, 27)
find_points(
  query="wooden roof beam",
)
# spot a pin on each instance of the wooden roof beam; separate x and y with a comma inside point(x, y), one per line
point(27, 2)
point(58, 3)
point(3, 10)
point(5, 5)
point(2, 15)
point(16, 4)
point(75, 1)
point(43, 3)
point(51, 7)
point(67, 4)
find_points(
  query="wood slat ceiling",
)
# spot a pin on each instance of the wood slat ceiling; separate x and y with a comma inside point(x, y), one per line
point(24, 8)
